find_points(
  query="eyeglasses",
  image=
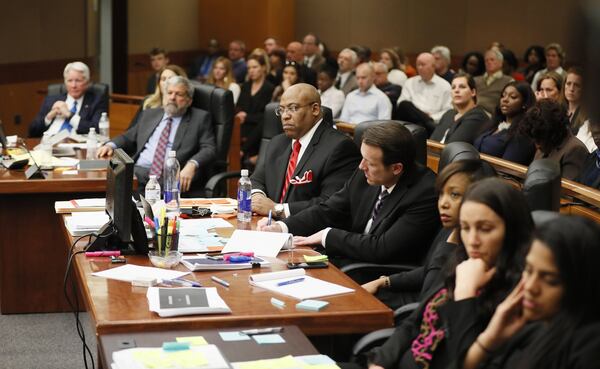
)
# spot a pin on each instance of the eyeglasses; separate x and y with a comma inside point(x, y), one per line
point(290, 62)
point(292, 108)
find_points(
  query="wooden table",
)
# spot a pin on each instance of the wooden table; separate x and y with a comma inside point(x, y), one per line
point(32, 252)
point(117, 307)
point(295, 344)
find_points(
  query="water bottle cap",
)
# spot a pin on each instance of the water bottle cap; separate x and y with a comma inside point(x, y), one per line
point(244, 172)
point(153, 176)
point(103, 114)
point(92, 130)
point(172, 153)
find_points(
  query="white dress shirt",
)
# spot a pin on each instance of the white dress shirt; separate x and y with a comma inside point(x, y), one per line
point(585, 136)
point(57, 123)
point(432, 97)
point(397, 77)
point(235, 90)
point(333, 99)
point(360, 106)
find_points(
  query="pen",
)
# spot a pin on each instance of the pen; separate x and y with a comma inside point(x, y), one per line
point(220, 281)
point(102, 253)
point(180, 282)
point(291, 281)
point(250, 332)
point(270, 217)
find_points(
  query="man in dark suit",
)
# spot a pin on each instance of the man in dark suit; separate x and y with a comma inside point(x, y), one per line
point(385, 213)
point(77, 110)
point(178, 127)
point(324, 160)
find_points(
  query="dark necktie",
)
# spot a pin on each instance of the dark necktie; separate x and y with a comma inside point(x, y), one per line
point(66, 125)
point(338, 82)
point(161, 150)
point(382, 196)
point(290, 169)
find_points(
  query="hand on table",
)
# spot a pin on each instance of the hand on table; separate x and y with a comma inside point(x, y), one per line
point(261, 225)
point(373, 286)
point(261, 204)
point(104, 151)
point(314, 239)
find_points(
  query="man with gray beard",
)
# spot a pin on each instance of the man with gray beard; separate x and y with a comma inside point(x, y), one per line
point(177, 126)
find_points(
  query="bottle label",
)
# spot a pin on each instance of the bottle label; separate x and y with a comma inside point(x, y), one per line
point(244, 201)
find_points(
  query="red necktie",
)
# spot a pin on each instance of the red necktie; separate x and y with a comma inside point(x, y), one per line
point(291, 168)
point(161, 150)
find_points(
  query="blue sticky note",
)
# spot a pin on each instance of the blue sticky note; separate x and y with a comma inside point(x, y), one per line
point(233, 336)
point(311, 305)
point(268, 338)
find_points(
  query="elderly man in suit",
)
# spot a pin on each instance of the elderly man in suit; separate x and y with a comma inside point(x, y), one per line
point(346, 81)
point(177, 126)
point(385, 212)
point(77, 110)
point(307, 163)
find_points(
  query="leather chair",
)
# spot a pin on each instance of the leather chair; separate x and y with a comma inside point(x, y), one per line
point(542, 185)
point(419, 134)
point(457, 151)
point(59, 88)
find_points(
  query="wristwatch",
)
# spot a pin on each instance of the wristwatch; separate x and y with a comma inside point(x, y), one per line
point(279, 211)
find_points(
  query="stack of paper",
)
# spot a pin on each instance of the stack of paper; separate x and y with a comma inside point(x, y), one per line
point(198, 263)
point(130, 273)
point(194, 235)
point(79, 205)
point(204, 357)
point(79, 224)
point(168, 302)
point(260, 243)
point(295, 283)
point(290, 362)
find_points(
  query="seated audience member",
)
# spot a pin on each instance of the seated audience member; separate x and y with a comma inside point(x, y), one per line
point(547, 124)
point(312, 53)
point(277, 60)
point(175, 126)
point(473, 64)
point(294, 52)
point(255, 95)
point(222, 76)
point(492, 82)
point(362, 52)
point(392, 62)
point(77, 110)
point(405, 65)
point(291, 76)
point(345, 80)
point(270, 44)
point(555, 57)
point(202, 67)
point(308, 145)
point(535, 60)
point(403, 288)
point(584, 134)
point(158, 60)
point(550, 320)
point(384, 213)
point(236, 53)
point(590, 173)
point(381, 82)
point(442, 62)
point(510, 65)
point(573, 96)
point(367, 102)
point(495, 228)
point(504, 139)
point(550, 86)
point(426, 97)
point(467, 120)
point(331, 97)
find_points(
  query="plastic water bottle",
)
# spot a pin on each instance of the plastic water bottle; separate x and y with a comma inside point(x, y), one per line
point(91, 144)
point(152, 192)
point(45, 144)
point(171, 185)
point(104, 125)
point(244, 194)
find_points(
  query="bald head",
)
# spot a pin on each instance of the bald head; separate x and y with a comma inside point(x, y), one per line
point(364, 76)
point(306, 101)
point(294, 52)
point(381, 72)
point(426, 66)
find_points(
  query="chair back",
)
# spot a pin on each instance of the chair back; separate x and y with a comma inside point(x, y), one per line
point(542, 185)
point(59, 89)
point(455, 151)
point(419, 135)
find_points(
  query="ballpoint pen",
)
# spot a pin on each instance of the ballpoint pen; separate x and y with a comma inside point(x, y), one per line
point(180, 282)
point(270, 217)
point(251, 332)
point(220, 281)
point(291, 281)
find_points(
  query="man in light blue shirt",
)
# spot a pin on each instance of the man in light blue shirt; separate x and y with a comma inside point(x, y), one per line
point(367, 102)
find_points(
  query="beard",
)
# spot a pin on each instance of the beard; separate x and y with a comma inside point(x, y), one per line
point(173, 110)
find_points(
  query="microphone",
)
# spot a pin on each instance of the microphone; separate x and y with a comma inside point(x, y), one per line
point(34, 171)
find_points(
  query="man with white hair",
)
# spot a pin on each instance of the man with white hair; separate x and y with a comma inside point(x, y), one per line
point(367, 102)
point(442, 62)
point(76, 110)
point(492, 82)
point(176, 126)
point(345, 80)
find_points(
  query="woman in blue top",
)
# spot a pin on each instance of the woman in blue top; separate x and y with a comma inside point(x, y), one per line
point(503, 139)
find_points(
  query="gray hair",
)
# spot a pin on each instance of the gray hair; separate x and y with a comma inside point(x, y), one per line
point(353, 55)
point(496, 52)
point(78, 67)
point(379, 65)
point(442, 50)
point(181, 80)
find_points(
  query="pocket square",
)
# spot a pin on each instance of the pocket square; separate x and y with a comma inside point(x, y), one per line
point(306, 178)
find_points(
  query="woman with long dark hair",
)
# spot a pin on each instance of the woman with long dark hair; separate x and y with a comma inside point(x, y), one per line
point(495, 228)
point(559, 290)
point(503, 139)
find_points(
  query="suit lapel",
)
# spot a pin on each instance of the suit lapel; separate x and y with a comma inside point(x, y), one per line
point(309, 149)
point(183, 126)
point(148, 129)
point(85, 104)
point(371, 195)
point(389, 205)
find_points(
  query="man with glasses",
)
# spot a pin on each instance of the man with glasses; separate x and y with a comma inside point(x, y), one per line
point(307, 163)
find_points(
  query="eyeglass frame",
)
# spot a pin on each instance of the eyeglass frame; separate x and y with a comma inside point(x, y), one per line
point(281, 110)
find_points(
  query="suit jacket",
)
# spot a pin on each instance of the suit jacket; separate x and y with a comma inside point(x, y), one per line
point(402, 232)
point(92, 107)
point(590, 170)
point(570, 154)
point(489, 96)
point(466, 129)
point(194, 138)
point(330, 155)
point(350, 84)
point(318, 61)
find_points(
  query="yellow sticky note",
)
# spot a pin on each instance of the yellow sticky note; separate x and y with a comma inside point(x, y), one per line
point(187, 359)
point(315, 258)
point(193, 340)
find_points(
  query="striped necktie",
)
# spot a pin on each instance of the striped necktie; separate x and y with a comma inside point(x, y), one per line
point(290, 169)
point(161, 150)
point(382, 196)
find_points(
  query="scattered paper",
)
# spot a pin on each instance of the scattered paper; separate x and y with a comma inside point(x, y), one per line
point(261, 243)
point(130, 272)
point(193, 340)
